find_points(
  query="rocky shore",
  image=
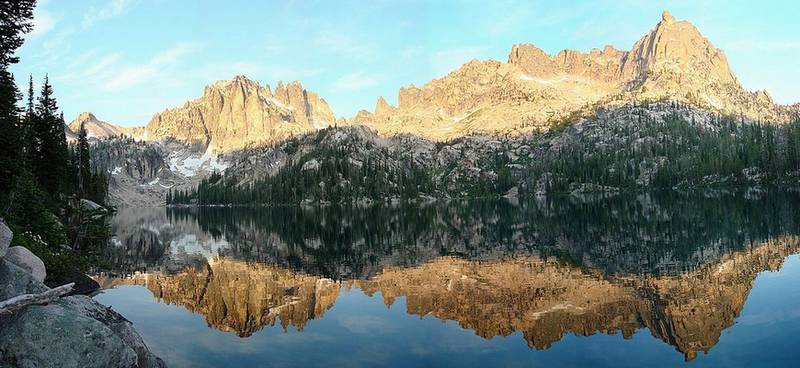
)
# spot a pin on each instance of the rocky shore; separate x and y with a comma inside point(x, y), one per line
point(72, 331)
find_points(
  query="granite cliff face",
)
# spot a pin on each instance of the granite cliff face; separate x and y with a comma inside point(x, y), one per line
point(534, 90)
point(239, 113)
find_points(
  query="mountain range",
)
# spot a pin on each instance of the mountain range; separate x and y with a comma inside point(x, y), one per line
point(532, 93)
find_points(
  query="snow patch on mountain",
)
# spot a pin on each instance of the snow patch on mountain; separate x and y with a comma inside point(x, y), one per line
point(193, 164)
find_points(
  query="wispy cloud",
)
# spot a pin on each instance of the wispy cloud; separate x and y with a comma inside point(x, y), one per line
point(356, 82)
point(110, 10)
point(91, 67)
point(43, 22)
point(137, 74)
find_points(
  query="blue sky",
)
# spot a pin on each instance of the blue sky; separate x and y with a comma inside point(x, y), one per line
point(127, 59)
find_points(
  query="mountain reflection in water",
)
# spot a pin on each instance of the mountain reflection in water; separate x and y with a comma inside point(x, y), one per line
point(680, 266)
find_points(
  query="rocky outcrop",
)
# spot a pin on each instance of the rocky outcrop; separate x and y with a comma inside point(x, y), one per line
point(141, 173)
point(240, 113)
point(73, 331)
point(96, 128)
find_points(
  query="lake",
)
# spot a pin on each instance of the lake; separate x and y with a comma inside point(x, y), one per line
point(654, 279)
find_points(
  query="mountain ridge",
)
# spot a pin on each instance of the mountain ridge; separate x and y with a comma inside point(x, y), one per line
point(534, 90)
point(531, 92)
point(96, 128)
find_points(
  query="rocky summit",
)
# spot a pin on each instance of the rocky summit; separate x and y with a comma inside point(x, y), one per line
point(96, 128)
point(238, 113)
point(534, 90)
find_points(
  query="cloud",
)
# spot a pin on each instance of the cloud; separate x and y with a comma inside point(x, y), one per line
point(445, 61)
point(112, 9)
point(43, 22)
point(355, 82)
point(137, 74)
point(90, 67)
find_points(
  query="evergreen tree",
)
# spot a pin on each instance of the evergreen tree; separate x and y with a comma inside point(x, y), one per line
point(50, 144)
point(15, 20)
point(84, 169)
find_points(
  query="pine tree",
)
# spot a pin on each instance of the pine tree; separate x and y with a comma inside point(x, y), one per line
point(28, 122)
point(50, 144)
point(84, 168)
point(15, 20)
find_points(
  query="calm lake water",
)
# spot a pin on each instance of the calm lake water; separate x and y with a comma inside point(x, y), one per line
point(707, 279)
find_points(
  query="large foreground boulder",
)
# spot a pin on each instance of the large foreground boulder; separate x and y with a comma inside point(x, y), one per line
point(27, 261)
point(75, 331)
point(55, 335)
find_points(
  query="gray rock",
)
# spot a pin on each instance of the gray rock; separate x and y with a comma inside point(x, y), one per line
point(16, 281)
point(117, 323)
point(28, 261)
point(55, 336)
point(5, 238)
point(75, 331)
point(91, 206)
point(512, 193)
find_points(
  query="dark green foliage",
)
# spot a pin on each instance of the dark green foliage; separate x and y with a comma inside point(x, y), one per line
point(674, 153)
point(50, 144)
point(630, 153)
point(16, 19)
point(38, 193)
point(84, 168)
point(325, 175)
point(11, 162)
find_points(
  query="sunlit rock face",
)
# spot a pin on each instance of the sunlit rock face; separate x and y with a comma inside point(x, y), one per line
point(544, 299)
point(238, 113)
point(534, 90)
point(96, 128)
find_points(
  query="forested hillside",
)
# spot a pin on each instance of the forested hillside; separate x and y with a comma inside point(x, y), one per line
point(662, 145)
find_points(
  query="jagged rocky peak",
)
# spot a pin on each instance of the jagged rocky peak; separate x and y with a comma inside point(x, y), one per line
point(238, 113)
point(383, 107)
point(677, 48)
point(534, 90)
point(595, 65)
point(96, 128)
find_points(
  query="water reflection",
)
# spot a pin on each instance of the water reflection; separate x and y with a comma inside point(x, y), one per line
point(679, 266)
